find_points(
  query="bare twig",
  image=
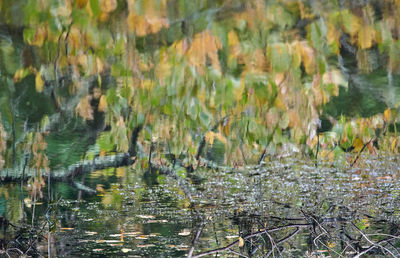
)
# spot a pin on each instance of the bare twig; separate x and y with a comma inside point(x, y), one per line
point(257, 233)
point(373, 244)
point(199, 230)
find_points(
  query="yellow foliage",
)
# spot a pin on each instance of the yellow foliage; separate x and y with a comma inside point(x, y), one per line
point(387, 114)
point(233, 39)
point(147, 84)
point(20, 74)
point(204, 45)
point(393, 145)
point(102, 103)
point(107, 6)
point(304, 12)
point(241, 242)
point(328, 154)
point(366, 37)
point(40, 36)
point(358, 144)
point(210, 136)
point(39, 82)
point(120, 172)
point(279, 102)
point(143, 25)
point(307, 54)
point(74, 38)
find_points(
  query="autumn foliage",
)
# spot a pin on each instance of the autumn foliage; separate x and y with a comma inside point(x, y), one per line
point(264, 68)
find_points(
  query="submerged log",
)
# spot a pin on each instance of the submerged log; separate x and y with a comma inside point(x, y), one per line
point(86, 166)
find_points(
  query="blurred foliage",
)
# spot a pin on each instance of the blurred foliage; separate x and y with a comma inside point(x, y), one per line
point(250, 75)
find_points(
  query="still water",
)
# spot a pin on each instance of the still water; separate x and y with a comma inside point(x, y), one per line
point(284, 208)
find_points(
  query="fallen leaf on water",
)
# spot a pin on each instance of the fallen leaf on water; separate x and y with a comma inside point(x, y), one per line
point(125, 250)
point(184, 232)
point(241, 242)
point(146, 216)
point(67, 228)
point(230, 237)
point(142, 237)
point(107, 241)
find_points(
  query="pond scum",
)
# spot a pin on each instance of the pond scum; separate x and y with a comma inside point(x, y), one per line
point(197, 93)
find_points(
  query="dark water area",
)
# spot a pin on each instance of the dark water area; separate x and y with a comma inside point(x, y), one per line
point(285, 208)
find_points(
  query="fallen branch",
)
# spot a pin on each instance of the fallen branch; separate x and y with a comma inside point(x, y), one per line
point(260, 232)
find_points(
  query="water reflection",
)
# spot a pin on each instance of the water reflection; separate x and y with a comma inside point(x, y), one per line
point(276, 210)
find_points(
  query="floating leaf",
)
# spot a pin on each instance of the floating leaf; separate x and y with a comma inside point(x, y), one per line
point(185, 232)
point(241, 242)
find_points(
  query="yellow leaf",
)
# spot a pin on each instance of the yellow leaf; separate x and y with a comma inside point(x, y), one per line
point(102, 103)
point(307, 55)
point(156, 24)
point(39, 82)
point(279, 102)
point(145, 25)
point(108, 6)
point(358, 144)
point(394, 144)
point(120, 172)
point(241, 242)
point(366, 36)
point(209, 137)
point(74, 38)
point(137, 23)
point(147, 84)
point(204, 45)
point(387, 115)
point(40, 36)
point(331, 244)
point(232, 39)
point(20, 74)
